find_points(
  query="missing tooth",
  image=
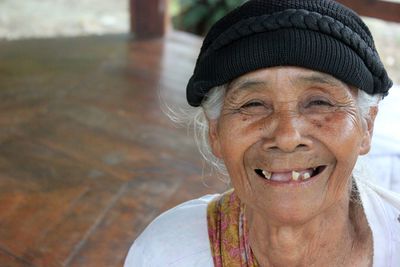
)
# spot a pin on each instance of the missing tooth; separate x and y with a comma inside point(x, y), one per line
point(260, 173)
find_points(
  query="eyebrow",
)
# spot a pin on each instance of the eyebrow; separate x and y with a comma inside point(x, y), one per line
point(253, 83)
point(246, 84)
point(320, 78)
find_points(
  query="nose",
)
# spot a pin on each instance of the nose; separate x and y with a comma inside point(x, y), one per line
point(287, 134)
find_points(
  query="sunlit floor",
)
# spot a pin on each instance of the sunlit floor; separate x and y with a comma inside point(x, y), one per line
point(87, 158)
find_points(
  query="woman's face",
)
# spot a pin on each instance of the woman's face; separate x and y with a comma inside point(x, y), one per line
point(289, 138)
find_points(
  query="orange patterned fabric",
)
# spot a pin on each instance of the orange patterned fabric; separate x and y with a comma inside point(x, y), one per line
point(228, 233)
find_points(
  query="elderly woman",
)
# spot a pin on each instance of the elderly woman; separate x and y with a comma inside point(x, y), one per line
point(289, 91)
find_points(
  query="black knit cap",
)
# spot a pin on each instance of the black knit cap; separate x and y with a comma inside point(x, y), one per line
point(322, 35)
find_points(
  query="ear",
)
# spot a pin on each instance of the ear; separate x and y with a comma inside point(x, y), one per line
point(368, 131)
point(213, 138)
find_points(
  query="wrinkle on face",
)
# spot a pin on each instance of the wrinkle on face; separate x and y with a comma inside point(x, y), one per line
point(252, 88)
point(264, 111)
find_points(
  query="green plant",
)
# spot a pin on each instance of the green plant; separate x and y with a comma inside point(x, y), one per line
point(197, 16)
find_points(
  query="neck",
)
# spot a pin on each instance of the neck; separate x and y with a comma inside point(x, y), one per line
point(339, 236)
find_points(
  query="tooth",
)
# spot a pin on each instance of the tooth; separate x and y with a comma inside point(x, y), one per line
point(267, 174)
point(295, 175)
point(306, 176)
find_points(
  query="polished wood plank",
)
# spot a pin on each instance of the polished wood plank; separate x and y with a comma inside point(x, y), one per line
point(9, 260)
point(87, 157)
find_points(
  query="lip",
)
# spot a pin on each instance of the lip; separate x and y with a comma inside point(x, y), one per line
point(292, 183)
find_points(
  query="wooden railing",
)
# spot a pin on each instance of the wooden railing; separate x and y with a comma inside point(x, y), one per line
point(386, 10)
point(149, 18)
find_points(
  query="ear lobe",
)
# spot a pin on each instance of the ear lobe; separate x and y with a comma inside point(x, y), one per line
point(368, 132)
point(365, 143)
point(214, 138)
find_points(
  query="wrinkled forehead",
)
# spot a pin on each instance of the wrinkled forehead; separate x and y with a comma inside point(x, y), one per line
point(297, 76)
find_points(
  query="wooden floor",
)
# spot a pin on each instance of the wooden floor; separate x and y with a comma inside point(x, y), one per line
point(87, 157)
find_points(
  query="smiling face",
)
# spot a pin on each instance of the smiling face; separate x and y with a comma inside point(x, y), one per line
point(289, 138)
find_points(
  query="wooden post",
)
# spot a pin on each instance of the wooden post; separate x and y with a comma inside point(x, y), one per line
point(148, 18)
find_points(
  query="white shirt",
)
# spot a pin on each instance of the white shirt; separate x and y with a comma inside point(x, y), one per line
point(179, 237)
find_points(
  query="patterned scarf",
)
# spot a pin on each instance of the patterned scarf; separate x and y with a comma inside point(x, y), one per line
point(228, 233)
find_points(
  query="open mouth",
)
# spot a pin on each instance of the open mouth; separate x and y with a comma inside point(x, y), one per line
point(288, 176)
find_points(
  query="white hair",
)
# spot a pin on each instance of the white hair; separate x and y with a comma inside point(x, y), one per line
point(197, 119)
point(366, 102)
point(210, 109)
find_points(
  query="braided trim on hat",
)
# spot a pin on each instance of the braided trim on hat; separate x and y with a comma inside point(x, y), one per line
point(304, 19)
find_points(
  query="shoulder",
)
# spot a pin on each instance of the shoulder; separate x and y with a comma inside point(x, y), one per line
point(380, 201)
point(382, 208)
point(178, 237)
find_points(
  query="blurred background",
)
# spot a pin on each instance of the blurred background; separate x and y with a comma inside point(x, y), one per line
point(87, 155)
point(54, 18)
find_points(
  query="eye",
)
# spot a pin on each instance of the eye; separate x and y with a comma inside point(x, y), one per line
point(319, 102)
point(252, 104)
point(255, 107)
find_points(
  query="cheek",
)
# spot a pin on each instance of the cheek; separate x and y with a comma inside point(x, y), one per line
point(338, 130)
point(236, 136)
point(341, 133)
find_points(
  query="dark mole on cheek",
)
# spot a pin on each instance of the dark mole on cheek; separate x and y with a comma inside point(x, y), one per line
point(317, 123)
point(328, 121)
